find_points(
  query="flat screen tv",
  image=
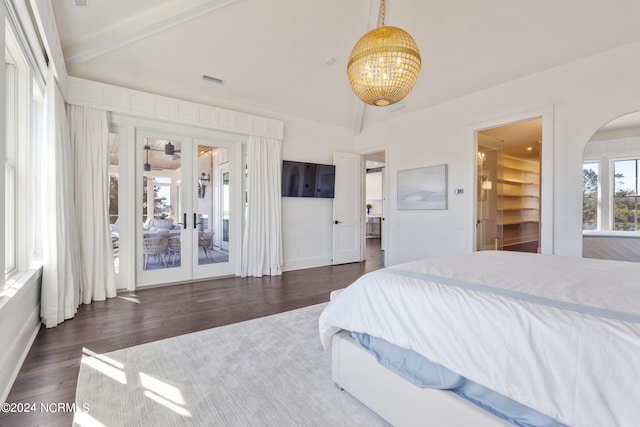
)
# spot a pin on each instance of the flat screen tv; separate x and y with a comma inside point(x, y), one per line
point(300, 179)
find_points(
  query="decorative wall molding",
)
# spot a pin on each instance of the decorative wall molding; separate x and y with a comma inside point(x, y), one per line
point(136, 103)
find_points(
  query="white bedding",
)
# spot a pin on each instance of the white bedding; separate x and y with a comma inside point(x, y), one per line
point(558, 334)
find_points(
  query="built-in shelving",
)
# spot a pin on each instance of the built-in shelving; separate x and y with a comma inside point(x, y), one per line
point(518, 169)
point(516, 222)
point(520, 210)
point(517, 181)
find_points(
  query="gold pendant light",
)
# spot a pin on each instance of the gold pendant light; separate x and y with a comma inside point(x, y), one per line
point(384, 65)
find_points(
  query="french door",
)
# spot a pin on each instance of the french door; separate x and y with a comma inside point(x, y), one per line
point(183, 209)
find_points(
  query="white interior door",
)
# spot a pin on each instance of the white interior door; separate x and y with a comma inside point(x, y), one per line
point(385, 212)
point(347, 208)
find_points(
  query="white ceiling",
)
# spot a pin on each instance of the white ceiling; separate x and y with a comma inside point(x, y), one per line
point(271, 54)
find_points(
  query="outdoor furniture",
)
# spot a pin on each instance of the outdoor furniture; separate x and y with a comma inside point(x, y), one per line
point(173, 250)
point(154, 246)
point(204, 242)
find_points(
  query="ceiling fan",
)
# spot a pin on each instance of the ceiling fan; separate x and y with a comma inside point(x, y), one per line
point(170, 150)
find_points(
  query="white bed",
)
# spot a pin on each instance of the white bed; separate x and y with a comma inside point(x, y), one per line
point(560, 335)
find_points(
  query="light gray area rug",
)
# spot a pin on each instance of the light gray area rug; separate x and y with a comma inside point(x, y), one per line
point(270, 371)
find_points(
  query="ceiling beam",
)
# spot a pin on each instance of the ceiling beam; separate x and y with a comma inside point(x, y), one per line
point(138, 27)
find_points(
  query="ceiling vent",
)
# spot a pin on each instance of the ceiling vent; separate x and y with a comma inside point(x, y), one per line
point(82, 3)
point(212, 79)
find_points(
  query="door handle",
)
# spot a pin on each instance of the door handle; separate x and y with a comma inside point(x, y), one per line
point(195, 220)
point(337, 222)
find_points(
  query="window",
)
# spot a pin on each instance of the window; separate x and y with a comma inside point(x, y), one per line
point(23, 106)
point(591, 181)
point(626, 197)
point(10, 165)
point(35, 168)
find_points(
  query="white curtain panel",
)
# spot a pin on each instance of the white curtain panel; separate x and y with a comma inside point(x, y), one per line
point(61, 265)
point(262, 242)
point(89, 134)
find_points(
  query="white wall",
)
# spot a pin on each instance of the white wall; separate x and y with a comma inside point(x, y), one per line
point(307, 223)
point(584, 94)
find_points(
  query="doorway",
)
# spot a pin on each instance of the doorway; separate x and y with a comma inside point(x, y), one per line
point(508, 190)
point(374, 205)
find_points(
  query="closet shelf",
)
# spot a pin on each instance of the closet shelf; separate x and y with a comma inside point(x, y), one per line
point(518, 222)
point(519, 240)
point(520, 195)
point(513, 168)
point(516, 181)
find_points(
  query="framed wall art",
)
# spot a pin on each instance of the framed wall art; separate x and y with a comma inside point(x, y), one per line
point(423, 188)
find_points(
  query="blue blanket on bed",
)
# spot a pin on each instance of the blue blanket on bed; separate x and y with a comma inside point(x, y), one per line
point(420, 371)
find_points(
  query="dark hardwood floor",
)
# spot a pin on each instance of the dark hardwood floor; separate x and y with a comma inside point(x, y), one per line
point(50, 371)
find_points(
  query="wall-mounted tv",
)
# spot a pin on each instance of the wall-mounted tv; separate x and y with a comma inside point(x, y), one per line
point(300, 179)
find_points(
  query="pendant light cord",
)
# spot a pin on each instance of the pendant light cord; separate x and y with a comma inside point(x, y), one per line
point(382, 6)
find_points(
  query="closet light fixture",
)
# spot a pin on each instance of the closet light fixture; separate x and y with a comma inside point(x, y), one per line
point(384, 65)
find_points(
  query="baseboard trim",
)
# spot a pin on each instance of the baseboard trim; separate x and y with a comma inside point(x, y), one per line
point(18, 352)
point(302, 263)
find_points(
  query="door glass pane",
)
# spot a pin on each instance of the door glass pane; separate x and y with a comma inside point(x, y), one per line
point(489, 209)
point(212, 205)
point(161, 207)
point(114, 180)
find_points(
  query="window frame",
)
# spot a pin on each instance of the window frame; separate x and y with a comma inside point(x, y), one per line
point(598, 194)
point(11, 106)
point(635, 196)
point(606, 199)
point(19, 213)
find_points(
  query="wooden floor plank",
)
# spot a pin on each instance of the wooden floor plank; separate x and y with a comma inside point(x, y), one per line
point(50, 371)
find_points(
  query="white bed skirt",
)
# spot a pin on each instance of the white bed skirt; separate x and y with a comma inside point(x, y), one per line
point(395, 399)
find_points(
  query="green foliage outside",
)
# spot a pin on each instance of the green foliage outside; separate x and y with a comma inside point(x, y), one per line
point(625, 208)
point(590, 200)
point(160, 203)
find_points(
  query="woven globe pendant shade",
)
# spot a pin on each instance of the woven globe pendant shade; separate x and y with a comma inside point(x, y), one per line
point(384, 65)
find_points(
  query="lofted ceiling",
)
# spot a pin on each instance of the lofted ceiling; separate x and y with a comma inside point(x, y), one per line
point(273, 56)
